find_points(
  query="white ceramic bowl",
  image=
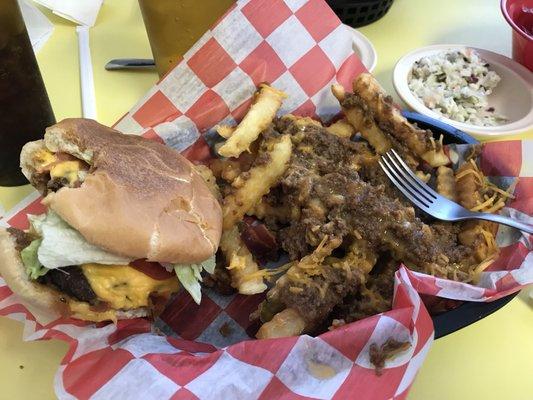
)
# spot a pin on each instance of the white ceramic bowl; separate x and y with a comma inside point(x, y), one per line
point(513, 97)
point(364, 49)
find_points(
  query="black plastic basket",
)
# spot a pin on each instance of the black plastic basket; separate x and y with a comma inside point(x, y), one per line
point(360, 12)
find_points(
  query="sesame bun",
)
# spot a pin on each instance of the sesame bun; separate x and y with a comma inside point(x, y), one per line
point(140, 199)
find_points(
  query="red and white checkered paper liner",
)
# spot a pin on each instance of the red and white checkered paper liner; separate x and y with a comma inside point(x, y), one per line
point(301, 47)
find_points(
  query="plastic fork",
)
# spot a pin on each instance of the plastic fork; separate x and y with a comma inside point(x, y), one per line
point(429, 201)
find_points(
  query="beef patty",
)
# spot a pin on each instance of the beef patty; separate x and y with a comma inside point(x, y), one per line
point(72, 281)
point(22, 239)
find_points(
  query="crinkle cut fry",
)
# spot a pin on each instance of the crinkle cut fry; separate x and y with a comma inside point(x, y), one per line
point(263, 210)
point(468, 184)
point(241, 264)
point(446, 183)
point(278, 326)
point(341, 128)
point(363, 123)
point(358, 114)
point(316, 270)
point(230, 168)
point(288, 322)
point(249, 188)
point(225, 131)
point(419, 141)
point(478, 235)
point(477, 193)
point(267, 102)
point(301, 122)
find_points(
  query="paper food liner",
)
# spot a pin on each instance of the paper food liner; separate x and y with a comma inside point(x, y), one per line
point(302, 48)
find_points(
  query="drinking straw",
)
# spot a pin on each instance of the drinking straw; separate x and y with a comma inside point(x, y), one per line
point(88, 98)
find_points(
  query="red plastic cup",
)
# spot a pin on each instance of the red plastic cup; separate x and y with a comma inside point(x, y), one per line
point(519, 14)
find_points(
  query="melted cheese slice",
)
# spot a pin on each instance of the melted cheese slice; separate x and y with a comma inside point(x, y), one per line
point(125, 288)
point(43, 158)
point(83, 311)
point(66, 169)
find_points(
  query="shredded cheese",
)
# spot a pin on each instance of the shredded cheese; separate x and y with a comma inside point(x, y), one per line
point(482, 266)
point(504, 193)
point(485, 204)
point(489, 239)
point(492, 203)
point(266, 273)
point(496, 207)
point(43, 158)
point(476, 174)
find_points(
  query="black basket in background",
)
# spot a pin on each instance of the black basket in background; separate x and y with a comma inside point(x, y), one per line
point(360, 12)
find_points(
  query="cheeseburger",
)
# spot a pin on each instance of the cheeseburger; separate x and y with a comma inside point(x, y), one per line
point(127, 219)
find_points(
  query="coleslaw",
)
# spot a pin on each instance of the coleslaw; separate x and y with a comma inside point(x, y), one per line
point(456, 84)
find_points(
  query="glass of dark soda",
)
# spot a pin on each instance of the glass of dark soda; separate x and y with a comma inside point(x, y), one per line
point(25, 109)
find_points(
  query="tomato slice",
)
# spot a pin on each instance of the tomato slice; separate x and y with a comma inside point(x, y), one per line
point(152, 269)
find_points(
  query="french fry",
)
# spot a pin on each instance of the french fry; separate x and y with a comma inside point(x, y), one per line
point(266, 104)
point(360, 256)
point(225, 131)
point(320, 272)
point(250, 187)
point(478, 235)
point(369, 130)
point(424, 177)
point(285, 323)
point(301, 121)
point(339, 92)
point(468, 182)
point(342, 128)
point(446, 183)
point(417, 140)
point(262, 210)
point(209, 178)
point(241, 264)
point(231, 171)
point(436, 156)
point(230, 168)
point(361, 123)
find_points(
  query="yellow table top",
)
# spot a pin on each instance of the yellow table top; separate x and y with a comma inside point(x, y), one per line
point(491, 359)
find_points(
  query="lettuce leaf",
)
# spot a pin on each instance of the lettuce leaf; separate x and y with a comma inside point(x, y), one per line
point(63, 246)
point(190, 276)
point(34, 268)
point(36, 222)
point(187, 276)
point(209, 265)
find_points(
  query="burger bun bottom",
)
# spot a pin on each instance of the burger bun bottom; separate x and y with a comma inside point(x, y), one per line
point(44, 299)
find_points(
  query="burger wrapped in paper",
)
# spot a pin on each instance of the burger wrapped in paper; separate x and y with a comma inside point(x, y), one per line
point(127, 219)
